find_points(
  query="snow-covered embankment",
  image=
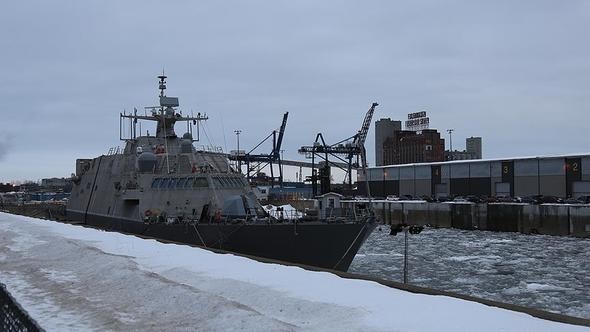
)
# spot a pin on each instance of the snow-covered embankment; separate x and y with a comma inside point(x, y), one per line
point(70, 277)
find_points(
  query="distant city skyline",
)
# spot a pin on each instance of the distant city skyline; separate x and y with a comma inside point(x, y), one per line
point(514, 73)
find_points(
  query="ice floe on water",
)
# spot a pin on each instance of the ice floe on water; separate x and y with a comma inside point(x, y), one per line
point(545, 272)
point(535, 287)
point(466, 258)
point(466, 280)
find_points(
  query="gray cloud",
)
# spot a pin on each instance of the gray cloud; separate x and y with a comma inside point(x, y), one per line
point(514, 73)
point(4, 148)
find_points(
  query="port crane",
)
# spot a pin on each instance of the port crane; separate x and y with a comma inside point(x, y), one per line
point(345, 151)
point(256, 161)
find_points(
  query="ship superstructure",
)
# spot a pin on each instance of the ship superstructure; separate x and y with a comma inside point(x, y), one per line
point(161, 177)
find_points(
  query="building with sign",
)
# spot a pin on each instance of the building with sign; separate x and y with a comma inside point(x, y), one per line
point(560, 176)
point(417, 143)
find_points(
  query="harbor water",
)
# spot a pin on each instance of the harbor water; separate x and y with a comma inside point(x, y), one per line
point(545, 272)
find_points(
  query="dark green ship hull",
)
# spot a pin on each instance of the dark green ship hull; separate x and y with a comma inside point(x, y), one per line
point(321, 244)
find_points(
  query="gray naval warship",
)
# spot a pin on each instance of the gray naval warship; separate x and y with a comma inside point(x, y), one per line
point(163, 187)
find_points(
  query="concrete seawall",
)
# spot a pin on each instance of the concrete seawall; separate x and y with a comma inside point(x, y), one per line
point(548, 219)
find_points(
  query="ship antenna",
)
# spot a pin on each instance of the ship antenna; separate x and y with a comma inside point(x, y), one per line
point(162, 87)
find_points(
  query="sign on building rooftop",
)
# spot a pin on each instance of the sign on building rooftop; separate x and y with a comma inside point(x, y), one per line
point(417, 121)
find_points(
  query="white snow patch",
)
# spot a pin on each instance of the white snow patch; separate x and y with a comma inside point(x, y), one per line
point(283, 212)
point(23, 242)
point(252, 295)
point(41, 307)
point(59, 276)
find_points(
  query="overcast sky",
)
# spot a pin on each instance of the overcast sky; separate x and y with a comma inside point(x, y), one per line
point(514, 72)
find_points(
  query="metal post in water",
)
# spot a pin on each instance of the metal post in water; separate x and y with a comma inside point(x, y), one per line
point(405, 255)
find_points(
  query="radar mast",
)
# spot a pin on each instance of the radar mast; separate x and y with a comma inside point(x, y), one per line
point(165, 115)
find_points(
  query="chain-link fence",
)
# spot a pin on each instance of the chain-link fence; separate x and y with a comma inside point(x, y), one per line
point(13, 318)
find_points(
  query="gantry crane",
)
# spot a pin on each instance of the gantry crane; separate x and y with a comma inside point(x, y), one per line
point(259, 161)
point(344, 150)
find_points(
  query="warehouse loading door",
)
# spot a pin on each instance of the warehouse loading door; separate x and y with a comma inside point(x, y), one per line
point(581, 188)
point(440, 190)
point(503, 189)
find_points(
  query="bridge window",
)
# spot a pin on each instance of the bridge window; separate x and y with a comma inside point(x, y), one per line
point(200, 182)
point(237, 182)
point(179, 183)
point(217, 182)
point(156, 183)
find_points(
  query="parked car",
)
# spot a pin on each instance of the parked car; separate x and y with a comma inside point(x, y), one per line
point(526, 199)
point(427, 198)
point(572, 200)
point(489, 199)
point(505, 199)
point(473, 199)
point(444, 199)
point(549, 199)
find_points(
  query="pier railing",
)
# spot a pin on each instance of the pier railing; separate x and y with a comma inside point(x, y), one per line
point(13, 318)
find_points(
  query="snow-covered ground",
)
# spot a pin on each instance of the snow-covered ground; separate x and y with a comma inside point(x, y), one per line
point(545, 272)
point(73, 278)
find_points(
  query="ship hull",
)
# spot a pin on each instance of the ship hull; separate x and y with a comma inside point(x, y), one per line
point(326, 245)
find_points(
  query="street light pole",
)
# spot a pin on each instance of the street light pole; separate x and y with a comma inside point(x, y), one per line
point(238, 132)
point(450, 131)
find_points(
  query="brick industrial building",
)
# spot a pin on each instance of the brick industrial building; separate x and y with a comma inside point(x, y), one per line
point(394, 146)
point(406, 146)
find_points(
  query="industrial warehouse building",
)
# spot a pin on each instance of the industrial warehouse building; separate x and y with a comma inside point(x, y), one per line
point(561, 176)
